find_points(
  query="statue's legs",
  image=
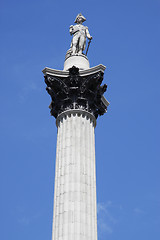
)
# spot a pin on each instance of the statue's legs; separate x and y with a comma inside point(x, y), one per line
point(82, 43)
point(78, 44)
point(74, 45)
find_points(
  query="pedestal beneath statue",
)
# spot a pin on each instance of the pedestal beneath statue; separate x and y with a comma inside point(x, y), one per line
point(79, 61)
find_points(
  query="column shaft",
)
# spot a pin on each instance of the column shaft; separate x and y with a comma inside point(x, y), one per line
point(75, 214)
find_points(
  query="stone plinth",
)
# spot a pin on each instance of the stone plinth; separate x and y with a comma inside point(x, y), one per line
point(79, 61)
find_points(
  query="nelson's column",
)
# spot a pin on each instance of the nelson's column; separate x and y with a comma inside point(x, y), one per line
point(77, 101)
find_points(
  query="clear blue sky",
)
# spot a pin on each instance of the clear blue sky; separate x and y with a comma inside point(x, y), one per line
point(126, 39)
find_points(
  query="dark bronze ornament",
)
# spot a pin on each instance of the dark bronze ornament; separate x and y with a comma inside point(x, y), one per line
point(76, 92)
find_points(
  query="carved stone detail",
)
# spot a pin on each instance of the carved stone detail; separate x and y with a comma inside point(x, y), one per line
point(76, 92)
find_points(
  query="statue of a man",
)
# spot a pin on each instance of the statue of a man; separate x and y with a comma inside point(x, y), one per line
point(79, 33)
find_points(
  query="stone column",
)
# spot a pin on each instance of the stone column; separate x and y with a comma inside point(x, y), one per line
point(77, 100)
point(75, 178)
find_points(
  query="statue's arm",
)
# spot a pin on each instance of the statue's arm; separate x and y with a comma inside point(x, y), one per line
point(88, 34)
point(71, 29)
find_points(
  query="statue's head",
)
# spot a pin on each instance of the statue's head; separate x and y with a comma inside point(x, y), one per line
point(80, 18)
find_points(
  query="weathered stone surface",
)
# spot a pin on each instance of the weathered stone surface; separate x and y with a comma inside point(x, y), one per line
point(75, 213)
point(82, 73)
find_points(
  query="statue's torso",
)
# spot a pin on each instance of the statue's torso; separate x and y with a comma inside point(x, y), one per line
point(79, 29)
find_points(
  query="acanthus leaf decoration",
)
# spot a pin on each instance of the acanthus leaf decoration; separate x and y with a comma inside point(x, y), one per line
point(76, 92)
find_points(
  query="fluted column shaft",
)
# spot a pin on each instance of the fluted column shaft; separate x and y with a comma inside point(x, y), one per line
point(75, 214)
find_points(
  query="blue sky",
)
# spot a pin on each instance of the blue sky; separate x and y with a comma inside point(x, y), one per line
point(126, 39)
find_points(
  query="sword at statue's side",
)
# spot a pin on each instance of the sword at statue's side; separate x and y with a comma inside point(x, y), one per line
point(88, 46)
